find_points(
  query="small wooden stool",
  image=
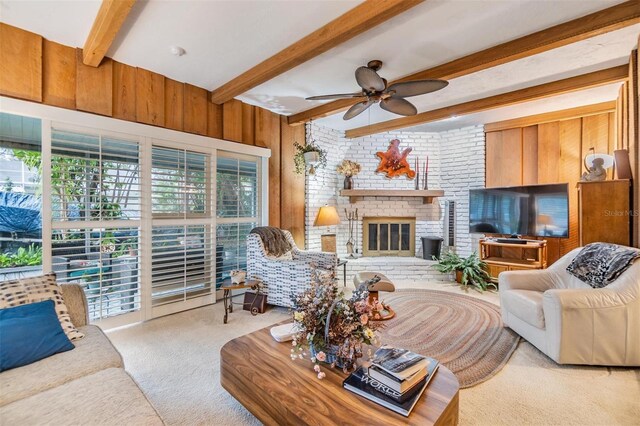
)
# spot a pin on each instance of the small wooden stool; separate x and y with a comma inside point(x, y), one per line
point(384, 284)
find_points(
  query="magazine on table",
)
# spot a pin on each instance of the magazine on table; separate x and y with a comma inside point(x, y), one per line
point(400, 363)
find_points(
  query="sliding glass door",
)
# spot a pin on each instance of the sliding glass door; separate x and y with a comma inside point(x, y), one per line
point(182, 255)
point(146, 225)
point(95, 208)
point(238, 207)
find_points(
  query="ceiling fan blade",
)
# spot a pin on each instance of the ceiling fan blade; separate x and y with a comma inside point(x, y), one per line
point(336, 96)
point(417, 87)
point(357, 109)
point(369, 80)
point(398, 106)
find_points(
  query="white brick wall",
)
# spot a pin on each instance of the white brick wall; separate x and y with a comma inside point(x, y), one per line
point(322, 188)
point(456, 163)
point(462, 163)
point(363, 151)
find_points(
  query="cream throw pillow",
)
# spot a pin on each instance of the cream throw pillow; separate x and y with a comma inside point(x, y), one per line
point(38, 289)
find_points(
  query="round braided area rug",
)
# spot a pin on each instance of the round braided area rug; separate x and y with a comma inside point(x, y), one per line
point(464, 333)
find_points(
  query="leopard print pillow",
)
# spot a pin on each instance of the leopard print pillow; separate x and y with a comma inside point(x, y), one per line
point(38, 289)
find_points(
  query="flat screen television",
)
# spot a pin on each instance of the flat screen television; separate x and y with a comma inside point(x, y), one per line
point(534, 210)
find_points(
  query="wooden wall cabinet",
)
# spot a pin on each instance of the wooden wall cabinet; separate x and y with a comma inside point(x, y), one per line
point(604, 209)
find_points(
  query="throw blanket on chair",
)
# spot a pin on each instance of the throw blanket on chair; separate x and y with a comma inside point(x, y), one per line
point(274, 240)
point(599, 264)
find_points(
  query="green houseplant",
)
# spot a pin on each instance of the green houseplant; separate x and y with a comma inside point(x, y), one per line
point(469, 271)
point(309, 153)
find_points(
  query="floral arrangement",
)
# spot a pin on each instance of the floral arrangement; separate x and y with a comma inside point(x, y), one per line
point(349, 168)
point(349, 327)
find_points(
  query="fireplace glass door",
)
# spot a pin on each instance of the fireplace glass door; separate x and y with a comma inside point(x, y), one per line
point(389, 236)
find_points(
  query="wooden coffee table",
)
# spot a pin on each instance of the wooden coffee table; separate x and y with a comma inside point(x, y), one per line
point(258, 372)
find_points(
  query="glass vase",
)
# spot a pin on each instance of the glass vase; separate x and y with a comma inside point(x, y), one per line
point(348, 182)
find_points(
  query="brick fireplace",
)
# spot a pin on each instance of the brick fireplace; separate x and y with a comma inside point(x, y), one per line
point(456, 163)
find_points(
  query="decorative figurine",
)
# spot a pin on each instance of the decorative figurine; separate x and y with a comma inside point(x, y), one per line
point(596, 172)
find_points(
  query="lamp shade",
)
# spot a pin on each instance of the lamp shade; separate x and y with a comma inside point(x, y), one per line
point(607, 159)
point(327, 216)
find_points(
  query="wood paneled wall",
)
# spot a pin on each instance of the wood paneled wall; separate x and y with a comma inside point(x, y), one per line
point(628, 133)
point(548, 153)
point(35, 69)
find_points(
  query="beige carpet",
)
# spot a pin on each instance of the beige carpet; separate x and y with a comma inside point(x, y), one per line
point(464, 333)
point(175, 360)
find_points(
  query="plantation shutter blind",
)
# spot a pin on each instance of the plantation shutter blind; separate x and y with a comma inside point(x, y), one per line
point(95, 202)
point(182, 239)
point(238, 207)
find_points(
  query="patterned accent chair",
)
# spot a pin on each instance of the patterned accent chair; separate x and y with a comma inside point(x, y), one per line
point(284, 276)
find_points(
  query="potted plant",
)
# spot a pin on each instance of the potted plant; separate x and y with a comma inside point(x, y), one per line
point(349, 169)
point(332, 327)
point(468, 271)
point(310, 154)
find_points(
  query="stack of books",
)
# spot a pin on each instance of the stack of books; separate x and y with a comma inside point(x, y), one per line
point(395, 378)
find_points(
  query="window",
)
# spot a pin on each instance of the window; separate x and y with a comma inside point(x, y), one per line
point(181, 256)
point(238, 210)
point(181, 183)
point(20, 197)
point(95, 211)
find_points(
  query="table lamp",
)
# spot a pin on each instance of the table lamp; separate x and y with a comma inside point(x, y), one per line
point(327, 216)
point(545, 221)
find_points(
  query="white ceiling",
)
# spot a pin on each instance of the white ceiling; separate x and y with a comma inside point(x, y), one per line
point(588, 55)
point(225, 38)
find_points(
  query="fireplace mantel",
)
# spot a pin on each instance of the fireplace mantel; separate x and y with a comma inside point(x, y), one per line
point(427, 195)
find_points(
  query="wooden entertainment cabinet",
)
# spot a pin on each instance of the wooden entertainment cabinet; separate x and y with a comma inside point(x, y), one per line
point(501, 257)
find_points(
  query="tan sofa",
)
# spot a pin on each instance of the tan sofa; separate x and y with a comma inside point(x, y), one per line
point(87, 385)
point(571, 322)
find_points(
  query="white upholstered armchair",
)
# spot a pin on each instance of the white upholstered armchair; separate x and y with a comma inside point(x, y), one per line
point(286, 275)
point(570, 321)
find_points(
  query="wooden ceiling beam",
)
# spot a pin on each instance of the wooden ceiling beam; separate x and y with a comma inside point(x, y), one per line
point(361, 18)
point(597, 23)
point(572, 84)
point(548, 117)
point(105, 27)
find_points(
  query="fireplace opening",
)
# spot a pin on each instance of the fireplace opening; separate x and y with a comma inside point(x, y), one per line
point(389, 236)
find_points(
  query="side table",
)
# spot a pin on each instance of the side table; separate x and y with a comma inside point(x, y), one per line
point(227, 297)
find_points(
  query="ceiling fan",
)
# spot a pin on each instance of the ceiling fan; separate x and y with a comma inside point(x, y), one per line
point(375, 89)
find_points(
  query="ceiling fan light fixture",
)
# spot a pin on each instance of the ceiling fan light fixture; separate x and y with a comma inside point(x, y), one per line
point(376, 90)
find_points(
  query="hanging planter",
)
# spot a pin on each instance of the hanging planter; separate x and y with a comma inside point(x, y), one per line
point(309, 155)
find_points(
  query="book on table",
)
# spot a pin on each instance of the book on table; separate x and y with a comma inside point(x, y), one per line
point(399, 363)
point(360, 383)
point(400, 386)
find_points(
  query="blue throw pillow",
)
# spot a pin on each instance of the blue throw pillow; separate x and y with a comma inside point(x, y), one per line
point(29, 333)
